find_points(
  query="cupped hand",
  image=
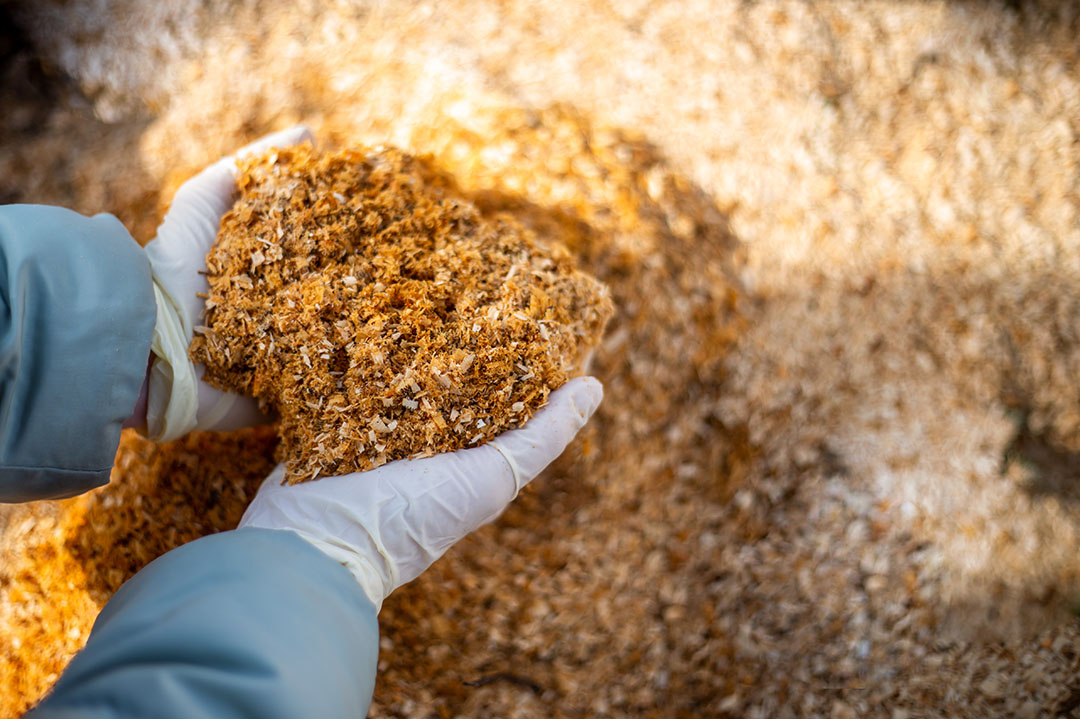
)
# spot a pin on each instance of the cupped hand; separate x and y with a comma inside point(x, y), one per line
point(389, 524)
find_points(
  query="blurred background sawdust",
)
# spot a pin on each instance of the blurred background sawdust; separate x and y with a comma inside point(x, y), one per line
point(836, 472)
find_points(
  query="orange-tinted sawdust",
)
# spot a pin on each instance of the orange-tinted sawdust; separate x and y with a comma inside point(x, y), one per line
point(374, 309)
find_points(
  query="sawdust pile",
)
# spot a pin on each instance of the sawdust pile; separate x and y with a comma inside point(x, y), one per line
point(380, 316)
point(835, 470)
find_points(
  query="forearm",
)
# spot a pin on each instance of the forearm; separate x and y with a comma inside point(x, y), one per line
point(76, 320)
point(247, 623)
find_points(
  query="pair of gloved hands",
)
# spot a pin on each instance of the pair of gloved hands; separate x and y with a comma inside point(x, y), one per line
point(392, 523)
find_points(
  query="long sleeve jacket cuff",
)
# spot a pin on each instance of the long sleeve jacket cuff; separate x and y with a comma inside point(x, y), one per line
point(76, 318)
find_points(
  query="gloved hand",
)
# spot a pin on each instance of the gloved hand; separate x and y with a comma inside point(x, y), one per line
point(177, 400)
point(389, 524)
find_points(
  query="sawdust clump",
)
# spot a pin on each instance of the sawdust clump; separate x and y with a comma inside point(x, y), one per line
point(356, 295)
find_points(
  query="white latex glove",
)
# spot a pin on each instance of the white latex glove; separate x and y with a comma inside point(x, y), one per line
point(177, 400)
point(389, 524)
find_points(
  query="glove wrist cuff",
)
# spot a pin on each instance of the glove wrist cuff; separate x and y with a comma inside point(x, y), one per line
point(370, 580)
point(172, 396)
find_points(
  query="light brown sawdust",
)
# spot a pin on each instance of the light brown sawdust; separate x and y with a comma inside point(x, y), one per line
point(881, 470)
point(380, 316)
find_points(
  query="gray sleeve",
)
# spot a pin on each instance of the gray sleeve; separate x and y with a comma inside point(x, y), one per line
point(76, 317)
point(249, 623)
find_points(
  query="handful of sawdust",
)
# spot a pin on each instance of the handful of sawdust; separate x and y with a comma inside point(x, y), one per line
point(355, 295)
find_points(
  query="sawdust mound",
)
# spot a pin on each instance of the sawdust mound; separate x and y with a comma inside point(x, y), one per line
point(356, 295)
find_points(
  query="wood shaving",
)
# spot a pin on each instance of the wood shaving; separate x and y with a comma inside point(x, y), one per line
point(345, 286)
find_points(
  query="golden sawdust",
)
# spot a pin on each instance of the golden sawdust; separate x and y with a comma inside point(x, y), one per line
point(46, 609)
point(380, 315)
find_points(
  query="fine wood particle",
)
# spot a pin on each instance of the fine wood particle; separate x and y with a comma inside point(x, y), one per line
point(380, 315)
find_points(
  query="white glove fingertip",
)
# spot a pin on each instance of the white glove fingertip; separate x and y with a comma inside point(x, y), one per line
point(535, 445)
point(578, 400)
point(295, 135)
point(586, 393)
point(571, 405)
point(210, 193)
